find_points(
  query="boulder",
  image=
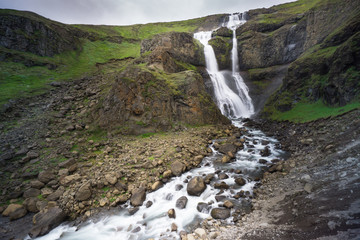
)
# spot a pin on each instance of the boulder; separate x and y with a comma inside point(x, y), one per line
point(57, 194)
point(111, 178)
point(181, 202)
point(37, 184)
point(228, 204)
point(196, 186)
point(220, 213)
point(30, 204)
point(138, 197)
point(18, 213)
point(177, 168)
point(67, 163)
point(46, 220)
point(156, 185)
point(121, 186)
point(66, 181)
point(46, 176)
point(203, 207)
point(240, 181)
point(83, 193)
point(167, 174)
point(31, 192)
point(228, 147)
point(11, 208)
point(221, 185)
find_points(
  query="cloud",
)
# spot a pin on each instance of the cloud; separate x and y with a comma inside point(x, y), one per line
point(125, 12)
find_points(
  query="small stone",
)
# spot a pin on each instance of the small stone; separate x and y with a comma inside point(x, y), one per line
point(201, 233)
point(220, 213)
point(46, 176)
point(174, 227)
point(103, 202)
point(308, 187)
point(36, 184)
point(228, 204)
point(181, 202)
point(156, 185)
point(240, 181)
point(167, 174)
point(171, 213)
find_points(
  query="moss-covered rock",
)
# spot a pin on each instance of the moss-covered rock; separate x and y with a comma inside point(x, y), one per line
point(222, 47)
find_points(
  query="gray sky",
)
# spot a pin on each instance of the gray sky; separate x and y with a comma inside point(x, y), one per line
point(126, 12)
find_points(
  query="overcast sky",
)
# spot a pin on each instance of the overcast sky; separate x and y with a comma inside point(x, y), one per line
point(126, 12)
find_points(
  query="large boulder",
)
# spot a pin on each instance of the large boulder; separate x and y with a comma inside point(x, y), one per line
point(10, 209)
point(196, 186)
point(83, 193)
point(220, 213)
point(30, 204)
point(227, 147)
point(138, 197)
point(18, 213)
point(46, 176)
point(46, 220)
point(177, 168)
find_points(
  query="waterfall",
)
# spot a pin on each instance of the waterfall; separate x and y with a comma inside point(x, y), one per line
point(233, 103)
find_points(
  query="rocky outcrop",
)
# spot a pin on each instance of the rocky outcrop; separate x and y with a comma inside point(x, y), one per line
point(222, 47)
point(176, 45)
point(35, 34)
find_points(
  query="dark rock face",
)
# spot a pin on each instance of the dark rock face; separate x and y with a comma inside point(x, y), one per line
point(223, 32)
point(196, 186)
point(40, 37)
point(222, 47)
point(46, 220)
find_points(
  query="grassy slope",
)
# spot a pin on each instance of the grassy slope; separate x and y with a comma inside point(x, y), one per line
point(306, 110)
point(18, 80)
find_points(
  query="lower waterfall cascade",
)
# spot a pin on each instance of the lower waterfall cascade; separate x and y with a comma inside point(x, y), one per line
point(153, 222)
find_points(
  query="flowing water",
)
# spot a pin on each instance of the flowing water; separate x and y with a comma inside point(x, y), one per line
point(153, 221)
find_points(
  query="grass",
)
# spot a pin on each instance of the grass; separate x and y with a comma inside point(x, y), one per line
point(305, 111)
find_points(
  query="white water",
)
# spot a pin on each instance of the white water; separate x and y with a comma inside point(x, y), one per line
point(233, 103)
point(153, 222)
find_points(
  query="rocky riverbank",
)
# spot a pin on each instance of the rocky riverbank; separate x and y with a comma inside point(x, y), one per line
point(312, 195)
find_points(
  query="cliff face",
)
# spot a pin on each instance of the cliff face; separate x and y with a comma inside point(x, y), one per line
point(161, 89)
point(319, 39)
point(35, 34)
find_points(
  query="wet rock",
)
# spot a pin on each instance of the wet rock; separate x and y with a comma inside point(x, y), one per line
point(225, 159)
point(262, 161)
point(177, 168)
point(174, 227)
point(30, 204)
point(209, 177)
point(220, 213)
point(10, 209)
point(18, 213)
point(203, 207)
point(83, 193)
point(181, 202)
point(228, 147)
point(178, 187)
point(148, 204)
point(31, 192)
point(137, 229)
point(221, 185)
point(171, 213)
point(157, 185)
point(265, 152)
point(46, 176)
point(228, 204)
point(223, 176)
point(138, 197)
point(196, 186)
point(220, 198)
point(46, 220)
point(111, 178)
point(240, 181)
